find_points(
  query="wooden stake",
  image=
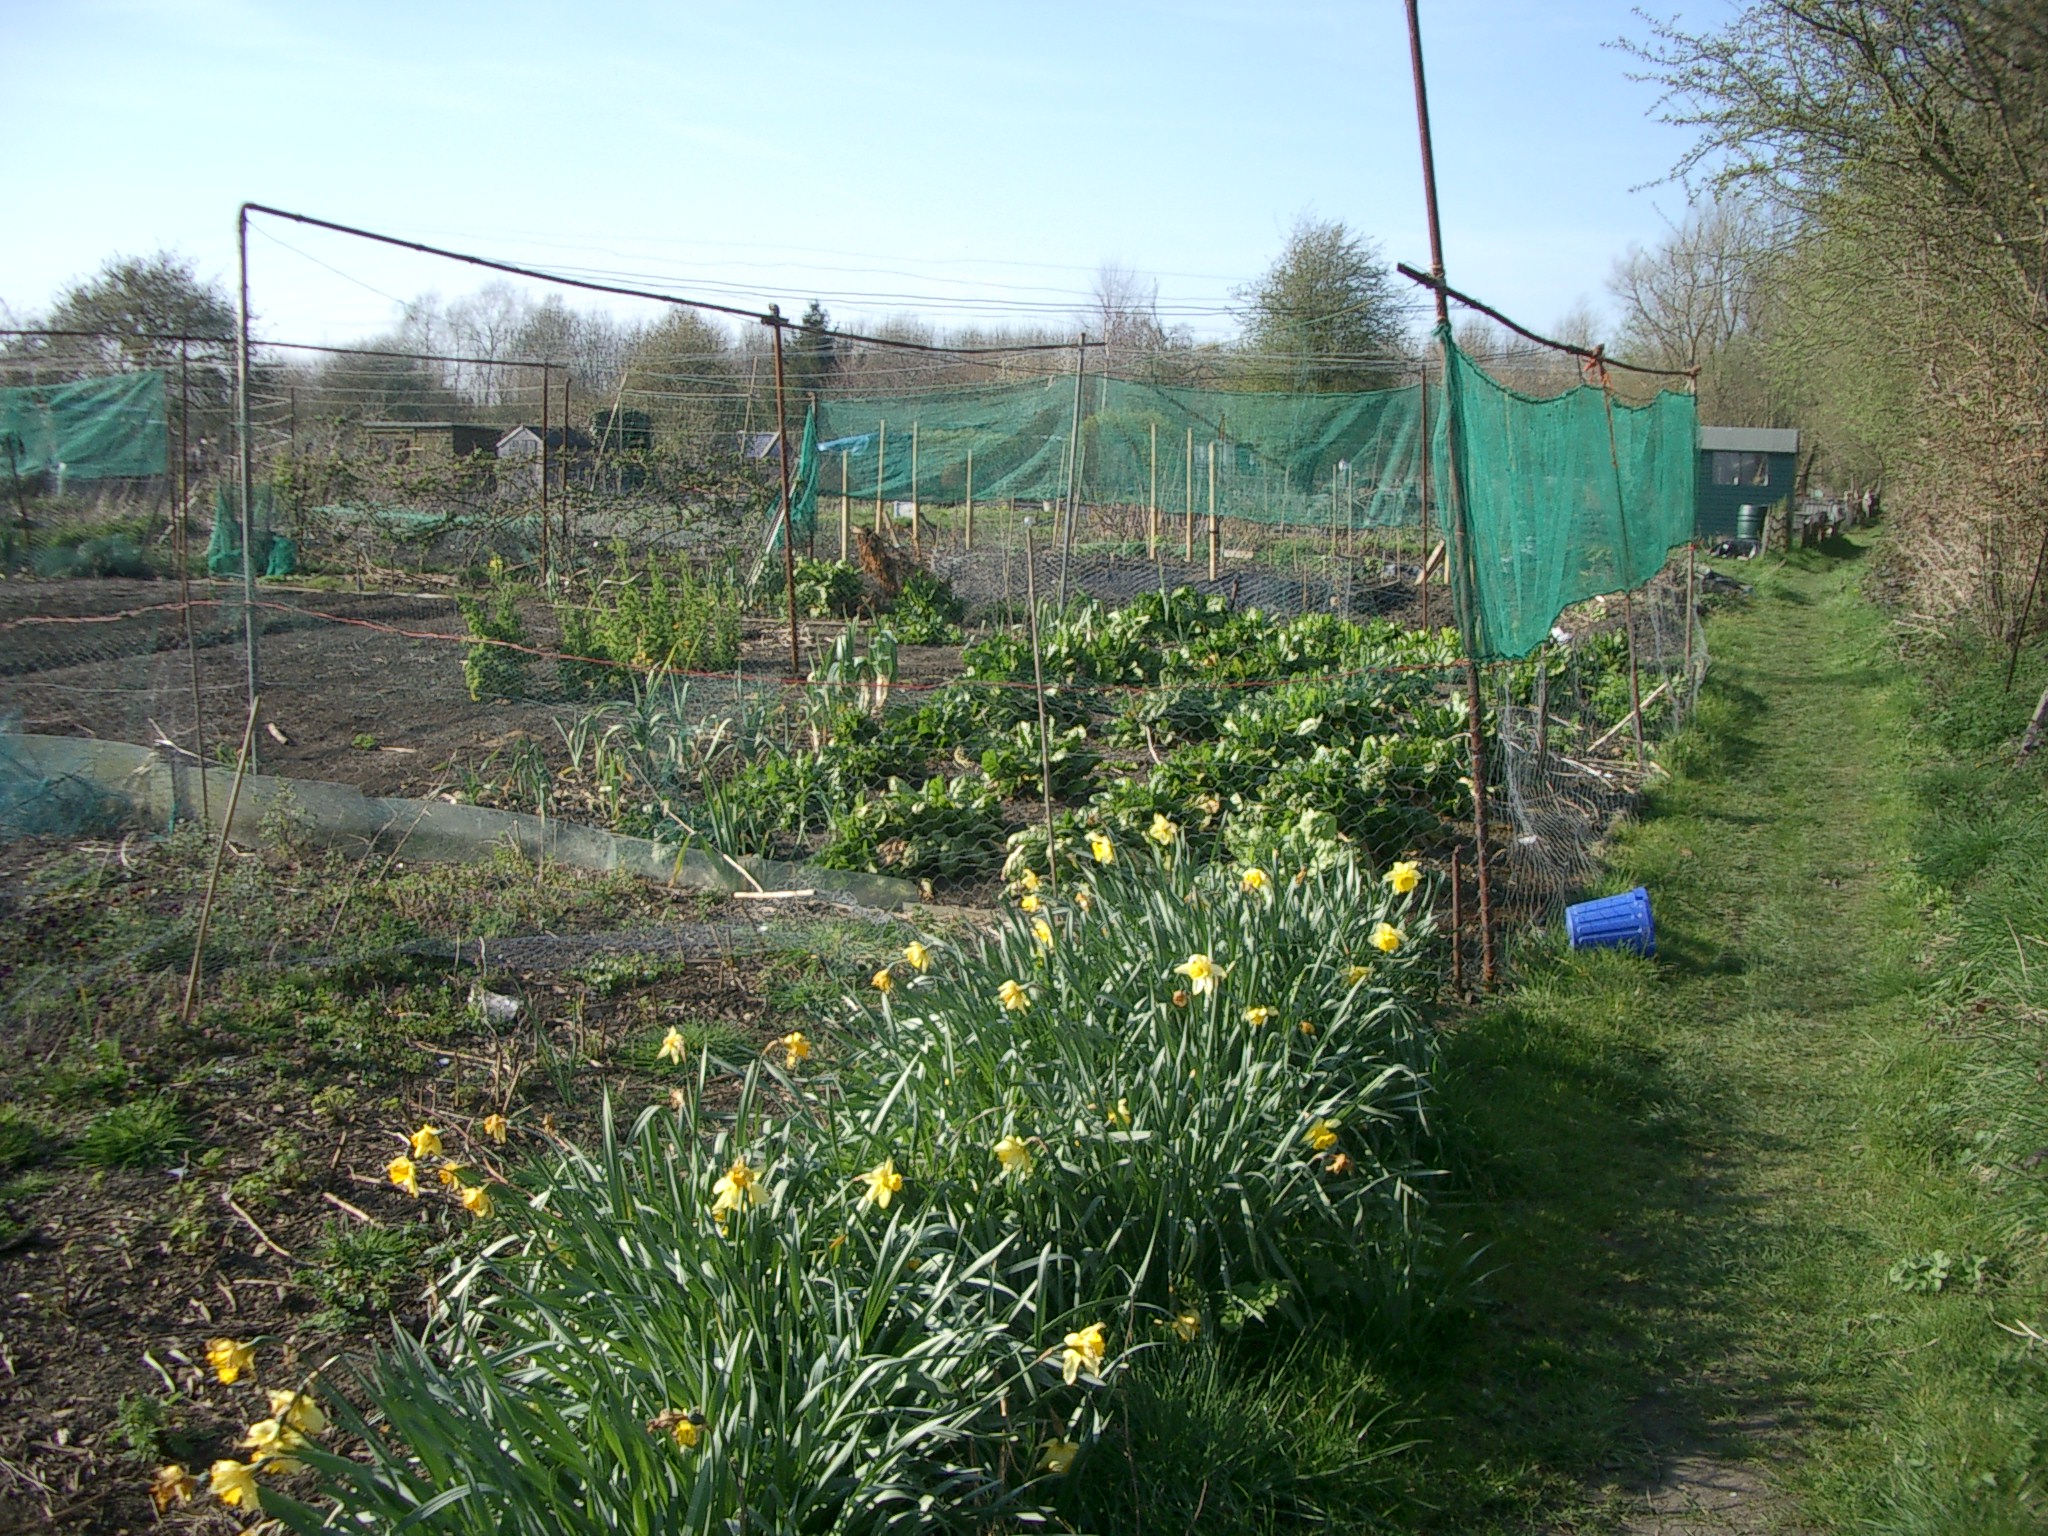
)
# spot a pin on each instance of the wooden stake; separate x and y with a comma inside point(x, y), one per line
point(1038, 690)
point(220, 853)
point(845, 530)
point(881, 462)
point(546, 399)
point(969, 531)
point(916, 524)
point(788, 530)
point(1213, 540)
point(1188, 484)
point(1152, 503)
point(1457, 919)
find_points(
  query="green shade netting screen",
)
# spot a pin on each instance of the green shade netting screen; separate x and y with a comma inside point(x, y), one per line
point(274, 554)
point(1279, 458)
point(89, 429)
point(1551, 521)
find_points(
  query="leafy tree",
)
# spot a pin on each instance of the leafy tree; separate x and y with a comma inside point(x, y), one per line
point(813, 361)
point(1325, 316)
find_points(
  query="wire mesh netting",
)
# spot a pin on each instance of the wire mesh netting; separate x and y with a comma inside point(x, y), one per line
point(592, 624)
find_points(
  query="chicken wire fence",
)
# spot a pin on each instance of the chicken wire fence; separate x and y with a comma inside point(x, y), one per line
point(373, 549)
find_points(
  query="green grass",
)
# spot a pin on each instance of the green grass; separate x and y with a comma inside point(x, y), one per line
point(1697, 1177)
point(148, 1133)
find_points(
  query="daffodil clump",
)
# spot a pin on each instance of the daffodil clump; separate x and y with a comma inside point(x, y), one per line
point(450, 1173)
point(1013, 1184)
point(293, 1419)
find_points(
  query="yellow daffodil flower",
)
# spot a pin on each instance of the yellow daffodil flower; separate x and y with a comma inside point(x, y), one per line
point(450, 1175)
point(1201, 972)
point(884, 1184)
point(1186, 1326)
point(1260, 1016)
point(298, 1411)
point(1103, 849)
point(1058, 1456)
point(426, 1141)
point(229, 1359)
point(1322, 1135)
point(1121, 1115)
point(1030, 903)
point(1385, 938)
point(1041, 930)
point(495, 1127)
point(884, 983)
point(1013, 997)
point(1404, 876)
point(272, 1443)
point(1030, 880)
point(687, 1432)
point(1354, 974)
point(1014, 1153)
point(476, 1200)
point(1083, 1352)
point(172, 1485)
point(1162, 831)
point(405, 1173)
point(795, 1048)
point(740, 1187)
point(672, 1047)
point(234, 1484)
point(919, 957)
point(1254, 879)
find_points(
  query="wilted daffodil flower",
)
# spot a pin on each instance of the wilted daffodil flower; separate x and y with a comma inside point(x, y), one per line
point(450, 1175)
point(1385, 938)
point(426, 1141)
point(172, 1485)
point(1083, 1352)
point(795, 1048)
point(687, 1428)
point(1014, 1153)
point(1084, 899)
point(1404, 876)
point(1354, 974)
point(495, 1127)
point(919, 957)
point(298, 1411)
point(476, 1200)
point(1186, 1326)
point(884, 983)
point(672, 1047)
point(1058, 1456)
point(229, 1359)
point(1162, 831)
point(1013, 997)
point(1260, 1016)
point(405, 1173)
point(1041, 930)
point(1201, 972)
point(273, 1442)
point(1121, 1115)
point(234, 1484)
point(1322, 1135)
point(884, 1184)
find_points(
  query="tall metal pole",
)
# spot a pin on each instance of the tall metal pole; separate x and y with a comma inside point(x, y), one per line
point(1152, 500)
point(1454, 493)
point(547, 387)
point(881, 469)
point(185, 568)
point(970, 501)
point(244, 456)
point(1038, 691)
point(568, 551)
point(1073, 465)
point(782, 456)
point(1188, 484)
point(1422, 405)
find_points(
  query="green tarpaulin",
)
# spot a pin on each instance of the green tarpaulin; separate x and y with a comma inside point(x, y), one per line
point(90, 429)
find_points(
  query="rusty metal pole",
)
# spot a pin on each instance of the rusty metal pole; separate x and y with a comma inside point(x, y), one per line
point(245, 455)
point(782, 457)
point(1483, 870)
point(568, 548)
point(1214, 541)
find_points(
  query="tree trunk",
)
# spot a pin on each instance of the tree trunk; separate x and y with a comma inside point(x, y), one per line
point(2032, 739)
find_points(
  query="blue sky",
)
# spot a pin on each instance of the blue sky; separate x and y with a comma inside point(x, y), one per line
point(959, 161)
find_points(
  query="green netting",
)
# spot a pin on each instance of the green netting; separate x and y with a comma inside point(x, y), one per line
point(224, 548)
point(1551, 519)
point(1278, 458)
point(89, 429)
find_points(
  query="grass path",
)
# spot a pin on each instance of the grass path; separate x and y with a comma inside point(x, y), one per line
point(1694, 1176)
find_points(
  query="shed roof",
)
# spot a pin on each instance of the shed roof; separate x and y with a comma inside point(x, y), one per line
point(1749, 439)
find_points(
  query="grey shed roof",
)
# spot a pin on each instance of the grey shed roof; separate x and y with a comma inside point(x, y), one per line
point(1749, 439)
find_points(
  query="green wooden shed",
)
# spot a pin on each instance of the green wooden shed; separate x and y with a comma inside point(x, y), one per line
point(1754, 466)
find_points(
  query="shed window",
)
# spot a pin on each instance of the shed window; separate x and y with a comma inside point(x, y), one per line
point(1731, 468)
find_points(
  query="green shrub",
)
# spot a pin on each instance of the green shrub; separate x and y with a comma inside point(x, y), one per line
point(1013, 764)
point(491, 667)
point(646, 619)
point(825, 589)
point(366, 1271)
point(947, 829)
